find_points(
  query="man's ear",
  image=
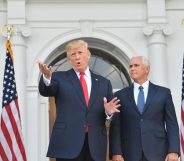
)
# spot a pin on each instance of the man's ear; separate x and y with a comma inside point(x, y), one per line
point(89, 53)
point(68, 58)
point(148, 69)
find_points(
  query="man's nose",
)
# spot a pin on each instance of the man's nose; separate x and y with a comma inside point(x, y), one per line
point(77, 56)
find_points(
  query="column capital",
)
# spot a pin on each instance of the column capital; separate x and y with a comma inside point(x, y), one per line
point(25, 31)
point(21, 30)
point(151, 29)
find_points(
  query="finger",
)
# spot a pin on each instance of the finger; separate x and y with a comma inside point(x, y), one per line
point(50, 68)
point(39, 64)
point(113, 100)
point(45, 69)
point(116, 110)
point(116, 101)
point(117, 106)
point(41, 67)
point(45, 66)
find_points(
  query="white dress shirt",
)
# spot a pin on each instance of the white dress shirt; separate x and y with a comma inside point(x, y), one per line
point(87, 77)
point(145, 86)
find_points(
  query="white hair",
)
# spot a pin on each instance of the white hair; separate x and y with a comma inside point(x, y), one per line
point(144, 60)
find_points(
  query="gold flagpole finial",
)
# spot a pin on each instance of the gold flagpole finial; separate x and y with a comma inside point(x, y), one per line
point(8, 30)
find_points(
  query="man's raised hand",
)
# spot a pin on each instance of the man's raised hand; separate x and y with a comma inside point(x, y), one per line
point(45, 70)
point(112, 106)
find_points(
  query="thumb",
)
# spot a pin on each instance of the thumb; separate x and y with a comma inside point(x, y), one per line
point(105, 100)
point(50, 68)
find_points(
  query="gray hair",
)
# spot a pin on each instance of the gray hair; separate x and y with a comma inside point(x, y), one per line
point(144, 60)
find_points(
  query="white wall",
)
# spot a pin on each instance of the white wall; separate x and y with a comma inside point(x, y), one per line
point(175, 50)
point(53, 23)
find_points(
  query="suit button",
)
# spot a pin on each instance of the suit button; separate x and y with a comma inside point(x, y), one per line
point(141, 120)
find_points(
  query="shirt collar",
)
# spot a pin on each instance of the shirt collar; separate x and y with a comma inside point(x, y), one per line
point(86, 72)
point(144, 85)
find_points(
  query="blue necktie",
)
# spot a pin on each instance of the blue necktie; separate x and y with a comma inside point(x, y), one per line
point(140, 99)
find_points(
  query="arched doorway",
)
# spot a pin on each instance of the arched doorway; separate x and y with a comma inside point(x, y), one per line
point(104, 61)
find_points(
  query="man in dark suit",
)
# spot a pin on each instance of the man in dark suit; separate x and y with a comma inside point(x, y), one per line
point(82, 106)
point(146, 128)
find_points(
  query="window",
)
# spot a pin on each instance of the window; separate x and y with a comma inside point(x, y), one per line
point(101, 63)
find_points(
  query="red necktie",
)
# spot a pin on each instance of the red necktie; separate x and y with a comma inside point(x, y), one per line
point(84, 87)
point(85, 91)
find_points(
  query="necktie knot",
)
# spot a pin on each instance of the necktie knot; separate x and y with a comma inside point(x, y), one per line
point(82, 73)
point(141, 88)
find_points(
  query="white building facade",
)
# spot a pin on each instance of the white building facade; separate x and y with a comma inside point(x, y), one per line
point(115, 29)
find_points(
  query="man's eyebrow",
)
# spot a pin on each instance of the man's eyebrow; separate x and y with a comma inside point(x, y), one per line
point(131, 65)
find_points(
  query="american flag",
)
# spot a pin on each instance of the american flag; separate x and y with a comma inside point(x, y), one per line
point(11, 140)
point(182, 118)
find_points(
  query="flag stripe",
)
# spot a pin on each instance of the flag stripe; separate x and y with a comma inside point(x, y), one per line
point(13, 131)
point(5, 146)
point(3, 154)
point(13, 115)
point(10, 125)
point(8, 138)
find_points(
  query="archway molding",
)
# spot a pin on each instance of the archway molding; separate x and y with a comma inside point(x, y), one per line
point(120, 49)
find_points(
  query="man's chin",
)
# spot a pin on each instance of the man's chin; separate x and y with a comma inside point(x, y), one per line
point(134, 78)
point(78, 69)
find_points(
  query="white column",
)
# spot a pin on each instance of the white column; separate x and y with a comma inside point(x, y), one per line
point(2, 46)
point(156, 35)
point(38, 125)
point(19, 46)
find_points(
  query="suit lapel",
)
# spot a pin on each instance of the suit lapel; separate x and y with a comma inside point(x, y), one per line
point(131, 96)
point(151, 91)
point(76, 84)
point(94, 88)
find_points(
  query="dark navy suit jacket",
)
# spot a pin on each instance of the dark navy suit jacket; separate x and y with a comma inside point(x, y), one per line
point(154, 132)
point(72, 115)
